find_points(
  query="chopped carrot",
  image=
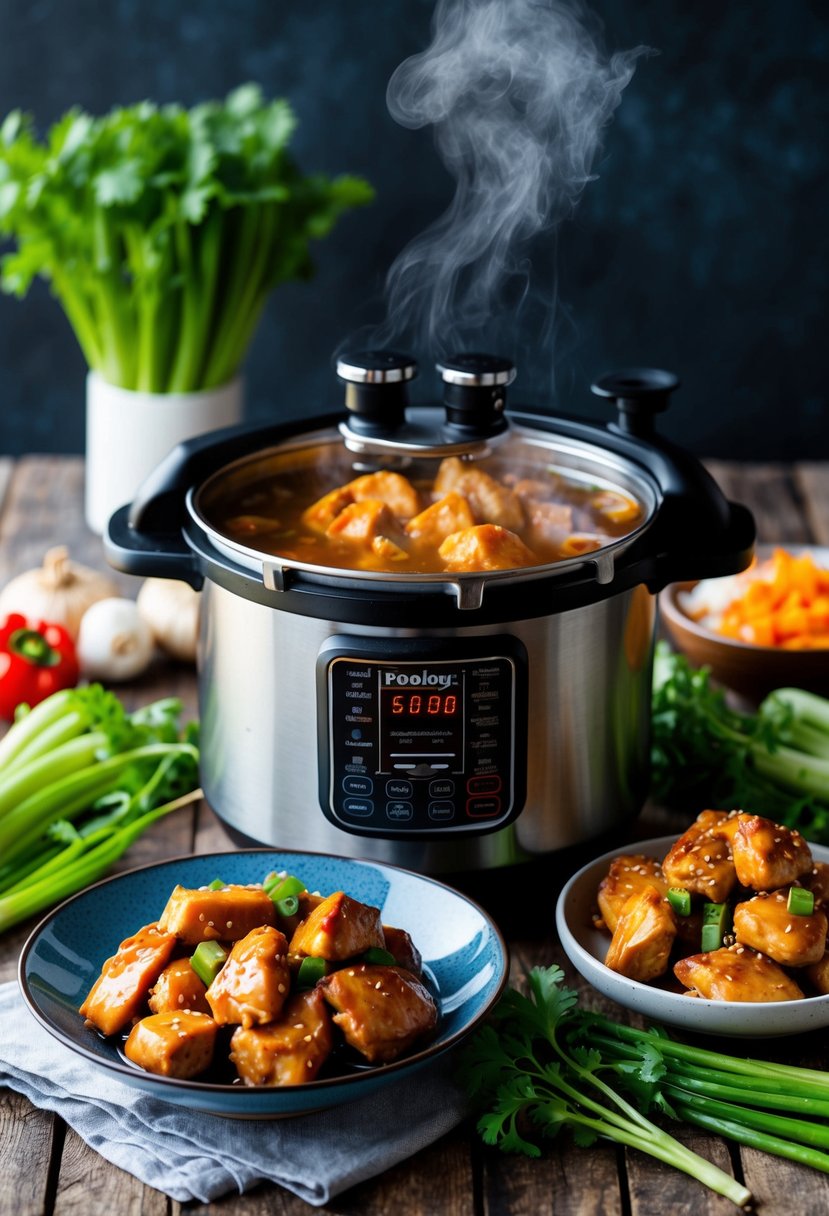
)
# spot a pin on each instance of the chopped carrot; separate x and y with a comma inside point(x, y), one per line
point(784, 602)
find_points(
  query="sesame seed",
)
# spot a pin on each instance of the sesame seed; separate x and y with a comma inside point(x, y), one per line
point(379, 984)
point(308, 1038)
point(229, 924)
point(788, 929)
point(280, 987)
point(201, 916)
point(210, 924)
point(181, 998)
point(309, 1063)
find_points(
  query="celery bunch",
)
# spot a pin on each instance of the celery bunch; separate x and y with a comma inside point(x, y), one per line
point(80, 780)
point(163, 230)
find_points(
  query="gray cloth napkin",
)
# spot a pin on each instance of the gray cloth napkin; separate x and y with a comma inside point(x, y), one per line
point(193, 1156)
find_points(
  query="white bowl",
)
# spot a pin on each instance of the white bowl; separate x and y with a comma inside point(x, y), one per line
point(586, 947)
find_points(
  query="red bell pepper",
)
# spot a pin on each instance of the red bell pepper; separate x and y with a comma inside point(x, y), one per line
point(37, 658)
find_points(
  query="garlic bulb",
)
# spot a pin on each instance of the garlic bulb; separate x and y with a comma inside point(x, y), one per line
point(60, 591)
point(114, 641)
point(171, 609)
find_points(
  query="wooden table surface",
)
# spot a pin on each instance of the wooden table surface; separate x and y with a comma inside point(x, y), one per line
point(45, 1168)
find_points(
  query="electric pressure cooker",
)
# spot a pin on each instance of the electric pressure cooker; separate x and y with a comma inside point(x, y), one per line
point(446, 718)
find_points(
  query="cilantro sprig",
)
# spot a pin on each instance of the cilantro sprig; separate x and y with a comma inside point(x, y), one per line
point(527, 1076)
point(163, 230)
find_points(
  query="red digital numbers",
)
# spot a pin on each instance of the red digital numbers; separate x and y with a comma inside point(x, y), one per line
point(414, 704)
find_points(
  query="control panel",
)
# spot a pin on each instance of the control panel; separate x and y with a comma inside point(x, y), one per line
point(422, 736)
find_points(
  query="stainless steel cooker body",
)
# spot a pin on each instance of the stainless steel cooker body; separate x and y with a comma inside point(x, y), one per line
point(584, 755)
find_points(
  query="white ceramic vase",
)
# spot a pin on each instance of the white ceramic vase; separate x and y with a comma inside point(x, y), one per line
point(128, 433)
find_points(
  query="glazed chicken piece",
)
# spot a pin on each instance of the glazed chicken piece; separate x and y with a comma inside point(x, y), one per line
point(700, 861)
point(322, 513)
point(818, 975)
point(393, 489)
point(491, 502)
point(643, 937)
point(628, 873)
point(380, 1010)
point(225, 915)
point(364, 523)
point(405, 953)
point(338, 928)
point(550, 523)
point(291, 1049)
point(449, 514)
point(736, 973)
point(177, 988)
point(767, 855)
point(121, 990)
point(485, 547)
point(172, 1044)
point(253, 984)
point(764, 923)
point(817, 881)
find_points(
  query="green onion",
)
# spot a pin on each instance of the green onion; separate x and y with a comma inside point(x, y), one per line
point(287, 907)
point(217, 884)
point(715, 925)
point(280, 886)
point(378, 957)
point(680, 900)
point(311, 970)
point(801, 902)
point(207, 961)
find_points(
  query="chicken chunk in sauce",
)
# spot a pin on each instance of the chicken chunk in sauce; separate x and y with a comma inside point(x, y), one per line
point(253, 984)
point(643, 937)
point(700, 861)
point(491, 501)
point(485, 547)
point(380, 1010)
point(736, 973)
point(225, 915)
point(173, 1044)
point(768, 855)
point(339, 928)
point(764, 923)
point(177, 988)
point(628, 874)
point(288, 1051)
point(124, 984)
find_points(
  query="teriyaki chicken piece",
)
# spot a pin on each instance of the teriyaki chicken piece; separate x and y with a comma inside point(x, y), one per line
point(736, 973)
point(121, 990)
point(288, 1051)
point(380, 1010)
point(644, 935)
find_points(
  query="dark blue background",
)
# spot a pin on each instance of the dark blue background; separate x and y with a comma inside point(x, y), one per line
point(701, 247)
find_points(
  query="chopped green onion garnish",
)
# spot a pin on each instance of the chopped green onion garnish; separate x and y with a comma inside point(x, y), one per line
point(218, 884)
point(380, 958)
point(801, 902)
point(280, 886)
point(207, 961)
point(288, 906)
point(715, 924)
point(311, 970)
point(680, 900)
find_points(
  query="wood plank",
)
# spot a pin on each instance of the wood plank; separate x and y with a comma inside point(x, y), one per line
point(87, 1184)
point(779, 1185)
point(565, 1181)
point(655, 1187)
point(812, 481)
point(27, 1137)
point(770, 493)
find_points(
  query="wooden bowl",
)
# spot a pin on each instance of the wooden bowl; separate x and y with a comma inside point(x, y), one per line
point(751, 671)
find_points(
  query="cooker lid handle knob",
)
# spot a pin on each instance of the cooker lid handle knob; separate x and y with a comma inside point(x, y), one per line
point(639, 393)
point(375, 389)
point(475, 392)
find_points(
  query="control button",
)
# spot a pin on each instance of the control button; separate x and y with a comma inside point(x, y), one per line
point(358, 785)
point(398, 788)
point(442, 788)
point(483, 808)
point(483, 785)
point(406, 766)
point(360, 808)
point(441, 811)
point(399, 812)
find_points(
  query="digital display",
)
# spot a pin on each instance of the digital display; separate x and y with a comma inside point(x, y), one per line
point(421, 704)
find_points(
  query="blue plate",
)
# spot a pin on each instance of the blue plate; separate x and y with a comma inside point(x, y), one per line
point(464, 955)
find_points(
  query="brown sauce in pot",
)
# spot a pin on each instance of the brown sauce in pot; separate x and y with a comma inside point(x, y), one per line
point(464, 516)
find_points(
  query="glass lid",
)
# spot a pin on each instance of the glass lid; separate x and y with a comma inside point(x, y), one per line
point(513, 500)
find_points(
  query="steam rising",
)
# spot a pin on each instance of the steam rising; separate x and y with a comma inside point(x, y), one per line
point(518, 92)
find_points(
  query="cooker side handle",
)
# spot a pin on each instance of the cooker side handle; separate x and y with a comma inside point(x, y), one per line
point(147, 554)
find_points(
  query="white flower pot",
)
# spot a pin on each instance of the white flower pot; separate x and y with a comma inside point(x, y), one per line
point(128, 433)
